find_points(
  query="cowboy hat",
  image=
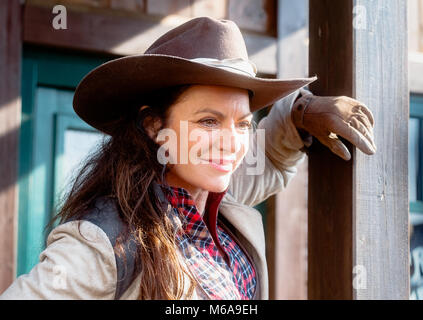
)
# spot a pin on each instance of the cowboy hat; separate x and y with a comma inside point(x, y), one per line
point(202, 50)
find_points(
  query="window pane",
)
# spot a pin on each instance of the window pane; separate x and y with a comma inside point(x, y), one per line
point(77, 146)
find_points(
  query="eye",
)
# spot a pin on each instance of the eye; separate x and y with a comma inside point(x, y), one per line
point(209, 122)
point(245, 125)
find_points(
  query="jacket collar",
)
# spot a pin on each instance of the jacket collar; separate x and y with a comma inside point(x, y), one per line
point(246, 221)
point(179, 197)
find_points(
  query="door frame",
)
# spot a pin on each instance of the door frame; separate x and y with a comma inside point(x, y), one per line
point(42, 67)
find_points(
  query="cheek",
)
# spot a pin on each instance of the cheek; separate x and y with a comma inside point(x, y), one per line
point(244, 144)
point(199, 145)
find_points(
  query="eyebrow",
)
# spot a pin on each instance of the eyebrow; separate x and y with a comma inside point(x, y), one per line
point(218, 113)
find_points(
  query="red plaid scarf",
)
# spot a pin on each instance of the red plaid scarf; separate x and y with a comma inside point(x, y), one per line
point(216, 260)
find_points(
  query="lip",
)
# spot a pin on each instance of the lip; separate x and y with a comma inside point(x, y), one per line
point(222, 161)
point(223, 165)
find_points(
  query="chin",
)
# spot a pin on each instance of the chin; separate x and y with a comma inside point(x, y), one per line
point(218, 186)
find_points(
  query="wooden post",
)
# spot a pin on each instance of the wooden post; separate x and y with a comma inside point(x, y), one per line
point(358, 209)
point(10, 108)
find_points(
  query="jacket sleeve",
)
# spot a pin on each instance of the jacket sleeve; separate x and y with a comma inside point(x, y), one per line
point(269, 165)
point(78, 263)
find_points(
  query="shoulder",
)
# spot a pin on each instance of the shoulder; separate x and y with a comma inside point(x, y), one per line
point(77, 263)
point(105, 216)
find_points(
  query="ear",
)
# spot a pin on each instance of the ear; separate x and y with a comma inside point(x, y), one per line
point(152, 126)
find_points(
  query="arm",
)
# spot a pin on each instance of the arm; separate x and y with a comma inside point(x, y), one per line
point(284, 148)
point(77, 264)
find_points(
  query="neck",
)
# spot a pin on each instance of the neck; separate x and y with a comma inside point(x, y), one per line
point(198, 195)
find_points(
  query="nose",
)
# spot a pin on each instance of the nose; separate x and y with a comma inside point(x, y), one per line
point(229, 140)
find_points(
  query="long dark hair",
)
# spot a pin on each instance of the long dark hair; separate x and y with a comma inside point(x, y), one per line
point(125, 168)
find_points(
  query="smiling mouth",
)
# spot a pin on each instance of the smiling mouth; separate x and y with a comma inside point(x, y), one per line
point(223, 165)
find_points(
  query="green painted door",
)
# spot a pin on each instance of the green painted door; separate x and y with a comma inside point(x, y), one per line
point(53, 142)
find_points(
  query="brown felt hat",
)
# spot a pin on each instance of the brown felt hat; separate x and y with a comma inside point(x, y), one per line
point(202, 50)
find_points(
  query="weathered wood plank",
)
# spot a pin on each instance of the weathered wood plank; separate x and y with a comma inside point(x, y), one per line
point(291, 238)
point(212, 8)
point(10, 108)
point(290, 227)
point(124, 35)
point(167, 7)
point(133, 5)
point(358, 210)
point(381, 181)
point(293, 38)
point(249, 14)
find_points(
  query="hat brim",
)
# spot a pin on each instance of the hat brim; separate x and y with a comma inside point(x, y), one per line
point(108, 90)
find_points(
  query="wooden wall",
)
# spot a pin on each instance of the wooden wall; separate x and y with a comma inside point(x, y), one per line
point(252, 15)
point(10, 108)
point(102, 26)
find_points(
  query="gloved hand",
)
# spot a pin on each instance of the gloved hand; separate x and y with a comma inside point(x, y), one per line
point(326, 117)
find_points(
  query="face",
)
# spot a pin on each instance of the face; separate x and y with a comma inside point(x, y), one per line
point(211, 126)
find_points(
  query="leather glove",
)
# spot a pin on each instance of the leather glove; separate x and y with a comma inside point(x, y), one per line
point(327, 117)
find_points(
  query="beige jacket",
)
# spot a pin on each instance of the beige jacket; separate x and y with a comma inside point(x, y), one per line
point(84, 267)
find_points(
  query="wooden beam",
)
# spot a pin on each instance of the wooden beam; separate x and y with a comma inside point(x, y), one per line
point(10, 108)
point(358, 209)
point(124, 35)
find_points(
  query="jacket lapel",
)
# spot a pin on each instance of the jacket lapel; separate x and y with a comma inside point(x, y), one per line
point(249, 229)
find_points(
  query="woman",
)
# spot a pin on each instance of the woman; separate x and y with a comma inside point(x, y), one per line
point(164, 209)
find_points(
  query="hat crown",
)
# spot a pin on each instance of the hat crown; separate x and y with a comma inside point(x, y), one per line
point(202, 37)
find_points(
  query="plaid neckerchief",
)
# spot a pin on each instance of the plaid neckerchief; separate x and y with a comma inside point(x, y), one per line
point(216, 260)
